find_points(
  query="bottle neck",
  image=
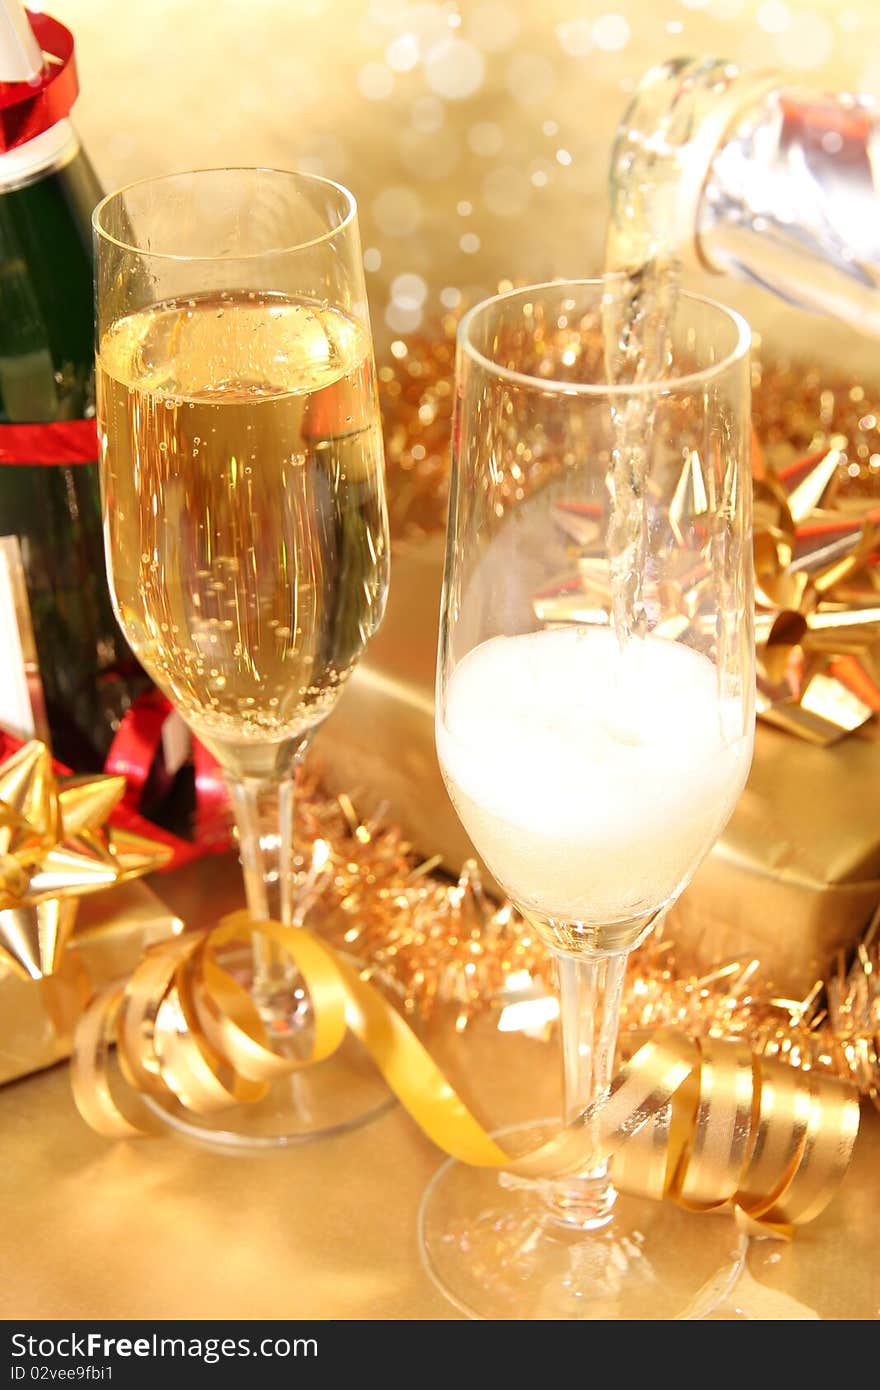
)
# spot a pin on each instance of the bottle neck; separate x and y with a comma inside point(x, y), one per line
point(790, 203)
point(663, 153)
point(28, 163)
point(741, 174)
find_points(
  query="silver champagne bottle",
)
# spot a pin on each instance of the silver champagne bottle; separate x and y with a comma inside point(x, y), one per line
point(752, 175)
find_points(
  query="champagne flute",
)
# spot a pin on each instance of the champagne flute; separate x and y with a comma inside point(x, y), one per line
point(245, 524)
point(593, 771)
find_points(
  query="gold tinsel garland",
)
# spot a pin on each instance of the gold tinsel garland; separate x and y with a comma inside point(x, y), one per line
point(417, 398)
point(796, 409)
point(449, 943)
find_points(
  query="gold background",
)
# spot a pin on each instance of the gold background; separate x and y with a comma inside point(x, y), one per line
point(475, 135)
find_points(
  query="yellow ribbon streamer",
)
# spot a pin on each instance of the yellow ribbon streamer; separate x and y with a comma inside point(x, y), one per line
point(704, 1123)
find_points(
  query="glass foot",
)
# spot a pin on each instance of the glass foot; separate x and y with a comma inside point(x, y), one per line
point(328, 1098)
point(491, 1245)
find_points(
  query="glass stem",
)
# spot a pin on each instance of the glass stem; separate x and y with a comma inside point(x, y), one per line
point(589, 998)
point(263, 811)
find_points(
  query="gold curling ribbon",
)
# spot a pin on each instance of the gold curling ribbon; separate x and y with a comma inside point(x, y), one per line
point(704, 1123)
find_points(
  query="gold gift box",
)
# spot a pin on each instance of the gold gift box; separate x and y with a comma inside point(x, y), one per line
point(37, 1017)
point(793, 879)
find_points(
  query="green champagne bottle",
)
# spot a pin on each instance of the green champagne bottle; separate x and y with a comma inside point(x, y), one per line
point(49, 494)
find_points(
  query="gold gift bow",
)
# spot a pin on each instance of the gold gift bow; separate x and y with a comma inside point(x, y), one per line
point(817, 591)
point(56, 845)
point(704, 1123)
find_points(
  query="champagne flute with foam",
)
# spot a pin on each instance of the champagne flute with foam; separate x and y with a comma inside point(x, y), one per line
point(593, 761)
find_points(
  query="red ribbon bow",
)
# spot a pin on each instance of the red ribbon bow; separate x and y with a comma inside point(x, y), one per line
point(132, 754)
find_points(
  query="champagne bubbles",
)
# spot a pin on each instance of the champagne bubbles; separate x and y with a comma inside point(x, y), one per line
point(226, 559)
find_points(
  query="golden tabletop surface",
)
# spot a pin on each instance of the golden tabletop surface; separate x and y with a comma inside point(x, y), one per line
point(160, 1228)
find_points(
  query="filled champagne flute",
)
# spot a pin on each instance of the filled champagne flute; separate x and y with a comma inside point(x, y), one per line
point(245, 523)
point(594, 724)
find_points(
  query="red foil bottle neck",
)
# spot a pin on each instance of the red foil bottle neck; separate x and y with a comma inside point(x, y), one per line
point(27, 109)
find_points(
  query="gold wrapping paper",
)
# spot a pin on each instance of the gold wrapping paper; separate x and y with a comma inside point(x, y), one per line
point(794, 877)
point(37, 1017)
point(796, 874)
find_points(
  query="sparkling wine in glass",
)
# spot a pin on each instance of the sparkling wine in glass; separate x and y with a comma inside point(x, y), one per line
point(245, 520)
point(592, 761)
